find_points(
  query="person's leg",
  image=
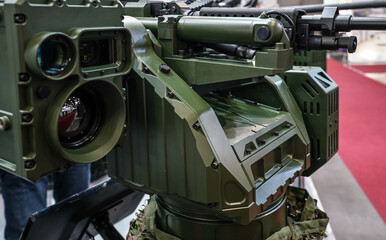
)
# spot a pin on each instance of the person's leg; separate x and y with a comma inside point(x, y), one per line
point(21, 200)
point(71, 181)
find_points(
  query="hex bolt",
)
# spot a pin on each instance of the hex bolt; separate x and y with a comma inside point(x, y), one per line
point(43, 92)
point(248, 151)
point(5, 123)
point(29, 164)
point(117, 70)
point(214, 164)
point(164, 68)
point(27, 117)
point(196, 125)
point(102, 72)
point(276, 133)
point(262, 142)
point(170, 94)
point(161, 19)
point(181, 52)
point(24, 77)
point(94, 3)
point(59, 2)
point(288, 125)
point(263, 33)
point(20, 18)
point(85, 75)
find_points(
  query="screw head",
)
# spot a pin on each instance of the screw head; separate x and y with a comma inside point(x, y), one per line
point(24, 77)
point(196, 125)
point(214, 164)
point(20, 18)
point(94, 3)
point(164, 68)
point(59, 2)
point(29, 164)
point(26, 117)
point(85, 75)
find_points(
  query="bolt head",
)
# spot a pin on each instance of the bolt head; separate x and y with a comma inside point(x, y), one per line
point(20, 18)
point(24, 77)
point(164, 68)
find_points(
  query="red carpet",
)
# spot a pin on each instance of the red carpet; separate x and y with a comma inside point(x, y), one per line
point(363, 131)
point(370, 68)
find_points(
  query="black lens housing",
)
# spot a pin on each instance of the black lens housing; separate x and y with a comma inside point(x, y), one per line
point(91, 123)
point(55, 55)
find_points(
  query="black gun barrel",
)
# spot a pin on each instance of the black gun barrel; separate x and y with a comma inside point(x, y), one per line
point(344, 23)
point(367, 23)
point(342, 6)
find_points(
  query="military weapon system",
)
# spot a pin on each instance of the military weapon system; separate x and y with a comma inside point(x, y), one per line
point(200, 106)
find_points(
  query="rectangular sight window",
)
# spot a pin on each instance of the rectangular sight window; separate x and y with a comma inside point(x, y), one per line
point(104, 52)
point(97, 52)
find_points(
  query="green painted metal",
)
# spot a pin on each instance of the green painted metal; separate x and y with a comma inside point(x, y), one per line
point(227, 152)
point(318, 97)
point(30, 146)
point(315, 58)
point(275, 56)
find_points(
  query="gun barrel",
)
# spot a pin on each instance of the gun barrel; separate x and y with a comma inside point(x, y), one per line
point(343, 6)
point(367, 23)
point(344, 23)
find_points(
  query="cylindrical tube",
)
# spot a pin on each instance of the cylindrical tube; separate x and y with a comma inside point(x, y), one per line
point(248, 31)
point(150, 23)
point(367, 23)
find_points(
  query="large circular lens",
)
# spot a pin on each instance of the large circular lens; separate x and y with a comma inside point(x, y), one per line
point(54, 55)
point(80, 118)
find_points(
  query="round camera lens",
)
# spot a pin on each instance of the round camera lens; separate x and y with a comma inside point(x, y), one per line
point(80, 118)
point(54, 55)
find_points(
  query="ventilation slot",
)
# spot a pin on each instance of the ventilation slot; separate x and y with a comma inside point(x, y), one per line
point(305, 108)
point(324, 76)
point(311, 108)
point(308, 91)
point(318, 149)
point(312, 86)
point(312, 149)
point(318, 108)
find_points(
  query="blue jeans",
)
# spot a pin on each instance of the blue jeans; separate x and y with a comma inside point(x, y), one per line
point(23, 198)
